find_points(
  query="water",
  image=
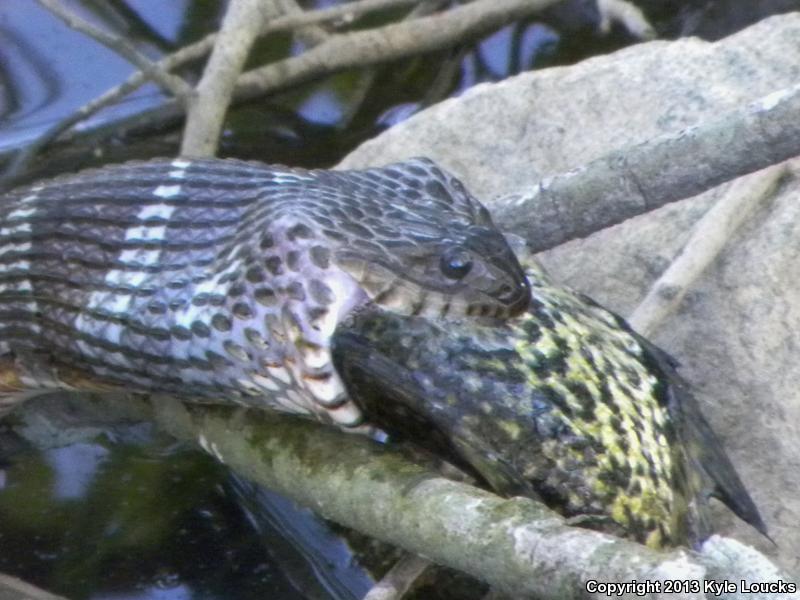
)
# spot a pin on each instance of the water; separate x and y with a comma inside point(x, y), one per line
point(49, 71)
point(131, 515)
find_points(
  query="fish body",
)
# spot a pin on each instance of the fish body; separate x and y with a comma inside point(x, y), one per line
point(564, 403)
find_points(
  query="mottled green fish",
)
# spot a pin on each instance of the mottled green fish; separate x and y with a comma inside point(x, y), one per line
point(565, 404)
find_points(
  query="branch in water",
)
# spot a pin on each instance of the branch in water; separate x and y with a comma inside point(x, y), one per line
point(516, 544)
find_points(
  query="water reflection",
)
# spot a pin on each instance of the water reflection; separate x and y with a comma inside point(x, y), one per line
point(144, 518)
point(49, 70)
point(75, 467)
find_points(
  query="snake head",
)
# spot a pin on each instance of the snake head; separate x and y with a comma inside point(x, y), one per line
point(482, 273)
point(419, 243)
point(453, 271)
point(439, 270)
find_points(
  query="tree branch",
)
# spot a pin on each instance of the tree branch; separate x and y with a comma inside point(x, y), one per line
point(641, 178)
point(209, 103)
point(170, 83)
point(391, 42)
point(516, 544)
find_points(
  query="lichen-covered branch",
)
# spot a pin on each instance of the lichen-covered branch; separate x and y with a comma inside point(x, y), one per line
point(516, 544)
point(637, 179)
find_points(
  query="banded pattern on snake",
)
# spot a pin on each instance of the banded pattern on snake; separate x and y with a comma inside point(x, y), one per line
point(224, 280)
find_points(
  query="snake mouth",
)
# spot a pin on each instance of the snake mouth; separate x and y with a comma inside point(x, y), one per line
point(420, 293)
point(411, 299)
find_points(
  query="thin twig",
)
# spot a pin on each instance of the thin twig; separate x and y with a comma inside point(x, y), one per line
point(708, 238)
point(212, 96)
point(399, 579)
point(150, 70)
point(628, 15)
point(392, 42)
point(343, 13)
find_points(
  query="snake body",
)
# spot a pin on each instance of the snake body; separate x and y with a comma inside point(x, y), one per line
point(221, 279)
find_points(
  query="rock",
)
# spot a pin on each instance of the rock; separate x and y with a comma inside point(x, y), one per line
point(737, 333)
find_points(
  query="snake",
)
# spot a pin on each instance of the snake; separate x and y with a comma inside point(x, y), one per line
point(381, 297)
point(220, 279)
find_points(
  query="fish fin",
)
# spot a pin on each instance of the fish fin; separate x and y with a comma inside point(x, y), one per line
point(704, 449)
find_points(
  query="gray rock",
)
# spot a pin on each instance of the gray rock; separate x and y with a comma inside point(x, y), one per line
point(737, 333)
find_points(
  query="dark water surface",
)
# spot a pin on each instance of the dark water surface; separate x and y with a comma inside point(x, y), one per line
point(134, 515)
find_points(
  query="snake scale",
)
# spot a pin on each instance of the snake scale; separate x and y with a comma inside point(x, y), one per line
point(223, 279)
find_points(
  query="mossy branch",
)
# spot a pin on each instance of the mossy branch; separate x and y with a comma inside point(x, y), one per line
point(516, 544)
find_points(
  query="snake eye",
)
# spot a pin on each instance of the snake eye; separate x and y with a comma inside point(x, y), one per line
point(455, 264)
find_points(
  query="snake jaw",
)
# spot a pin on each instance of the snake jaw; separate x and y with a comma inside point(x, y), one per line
point(468, 271)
